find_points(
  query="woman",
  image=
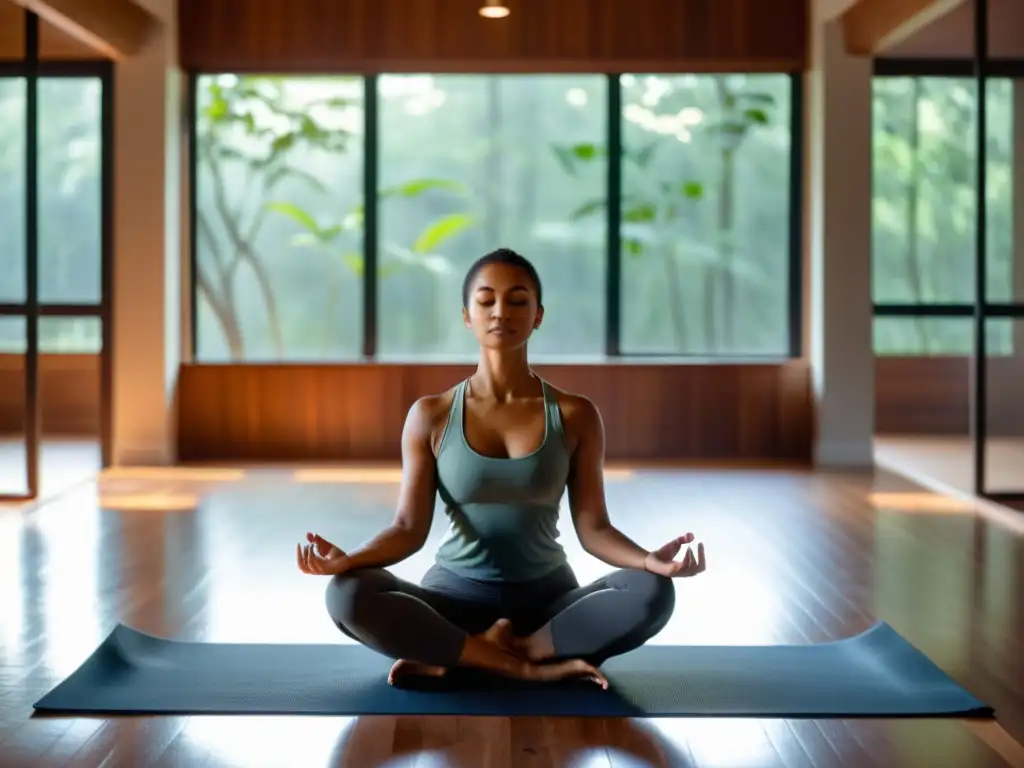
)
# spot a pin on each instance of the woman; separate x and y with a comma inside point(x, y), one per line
point(501, 448)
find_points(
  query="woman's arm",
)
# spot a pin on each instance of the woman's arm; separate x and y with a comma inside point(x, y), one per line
point(408, 532)
point(586, 489)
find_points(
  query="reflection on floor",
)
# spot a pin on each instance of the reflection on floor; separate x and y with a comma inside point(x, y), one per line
point(794, 557)
point(63, 463)
point(949, 461)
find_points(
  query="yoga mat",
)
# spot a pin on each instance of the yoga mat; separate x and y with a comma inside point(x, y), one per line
point(875, 674)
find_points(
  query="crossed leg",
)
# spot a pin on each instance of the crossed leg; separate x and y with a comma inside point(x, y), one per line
point(404, 621)
point(613, 615)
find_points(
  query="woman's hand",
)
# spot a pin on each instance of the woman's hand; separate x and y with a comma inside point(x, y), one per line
point(321, 558)
point(662, 561)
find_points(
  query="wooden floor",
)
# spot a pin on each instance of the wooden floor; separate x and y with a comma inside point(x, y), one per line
point(948, 461)
point(793, 557)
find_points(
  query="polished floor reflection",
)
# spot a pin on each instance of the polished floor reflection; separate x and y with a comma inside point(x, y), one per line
point(948, 462)
point(793, 557)
point(63, 463)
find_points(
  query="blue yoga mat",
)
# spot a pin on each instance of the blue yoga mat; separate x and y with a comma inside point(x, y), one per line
point(876, 674)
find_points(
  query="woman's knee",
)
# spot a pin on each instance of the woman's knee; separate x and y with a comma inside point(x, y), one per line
point(657, 593)
point(349, 595)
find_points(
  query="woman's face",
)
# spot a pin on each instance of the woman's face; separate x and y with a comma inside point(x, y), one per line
point(503, 310)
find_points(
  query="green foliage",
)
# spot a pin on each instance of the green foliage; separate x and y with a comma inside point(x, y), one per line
point(250, 123)
point(664, 201)
point(655, 211)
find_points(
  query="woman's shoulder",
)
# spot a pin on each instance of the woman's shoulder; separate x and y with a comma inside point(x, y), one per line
point(430, 409)
point(428, 416)
point(577, 410)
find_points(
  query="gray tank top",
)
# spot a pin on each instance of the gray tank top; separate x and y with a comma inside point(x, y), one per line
point(503, 513)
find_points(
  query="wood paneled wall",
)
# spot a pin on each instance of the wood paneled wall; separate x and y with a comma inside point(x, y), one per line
point(54, 45)
point(338, 412)
point(360, 36)
point(729, 412)
point(931, 395)
point(69, 395)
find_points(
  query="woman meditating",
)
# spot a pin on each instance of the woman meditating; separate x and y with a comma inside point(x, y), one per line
point(500, 449)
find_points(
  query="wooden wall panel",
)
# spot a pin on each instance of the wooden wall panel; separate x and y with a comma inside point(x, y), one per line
point(69, 395)
point(339, 412)
point(719, 411)
point(360, 36)
point(931, 395)
point(54, 45)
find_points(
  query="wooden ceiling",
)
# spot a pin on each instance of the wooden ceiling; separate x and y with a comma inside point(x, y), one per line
point(77, 29)
point(930, 29)
point(54, 44)
point(952, 35)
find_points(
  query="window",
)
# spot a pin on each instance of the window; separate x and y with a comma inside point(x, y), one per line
point(70, 200)
point(706, 214)
point(471, 163)
point(923, 210)
point(12, 190)
point(278, 218)
point(458, 165)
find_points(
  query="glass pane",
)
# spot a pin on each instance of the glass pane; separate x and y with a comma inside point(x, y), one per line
point(69, 400)
point(923, 398)
point(471, 163)
point(1004, 459)
point(12, 190)
point(70, 200)
point(923, 211)
point(279, 220)
point(706, 211)
point(924, 336)
point(936, 337)
point(13, 470)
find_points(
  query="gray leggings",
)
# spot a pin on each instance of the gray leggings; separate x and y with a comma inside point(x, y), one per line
point(429, 622)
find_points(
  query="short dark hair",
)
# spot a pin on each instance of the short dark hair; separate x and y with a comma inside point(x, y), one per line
point(501, 256)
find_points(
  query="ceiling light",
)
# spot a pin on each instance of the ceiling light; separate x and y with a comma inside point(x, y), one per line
point(494, 9)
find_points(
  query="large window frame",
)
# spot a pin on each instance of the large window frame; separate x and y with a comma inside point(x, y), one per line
point(958, 68)
point(613, 254)
point(981, 310)
point(32, 70)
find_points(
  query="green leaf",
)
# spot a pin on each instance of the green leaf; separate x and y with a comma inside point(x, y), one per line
point(756, 116)
point(296, 214)
point(217, 110)
point(417, 187)
point(765, 99)
point(282, 143)
point(443, 229)
point(330, 233)
point(633, 248)
point(389, 268)
point(355, 262)
point(564, 158)
point(643, 156)
point(641, 213)
point(586, 151)
point(587, 209)
point(692, 190)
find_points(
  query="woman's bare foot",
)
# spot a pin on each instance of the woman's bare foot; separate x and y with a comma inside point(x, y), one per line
point(500, 633)
point(496, 650)
point(403, 669)
point(536, 647)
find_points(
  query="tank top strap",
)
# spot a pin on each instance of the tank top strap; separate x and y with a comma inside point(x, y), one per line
point(552, 414)
point(453, 429)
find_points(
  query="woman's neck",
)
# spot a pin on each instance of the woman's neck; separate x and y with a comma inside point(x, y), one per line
point(503, 375)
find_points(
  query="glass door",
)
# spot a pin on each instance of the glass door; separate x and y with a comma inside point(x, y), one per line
point(55, 271)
